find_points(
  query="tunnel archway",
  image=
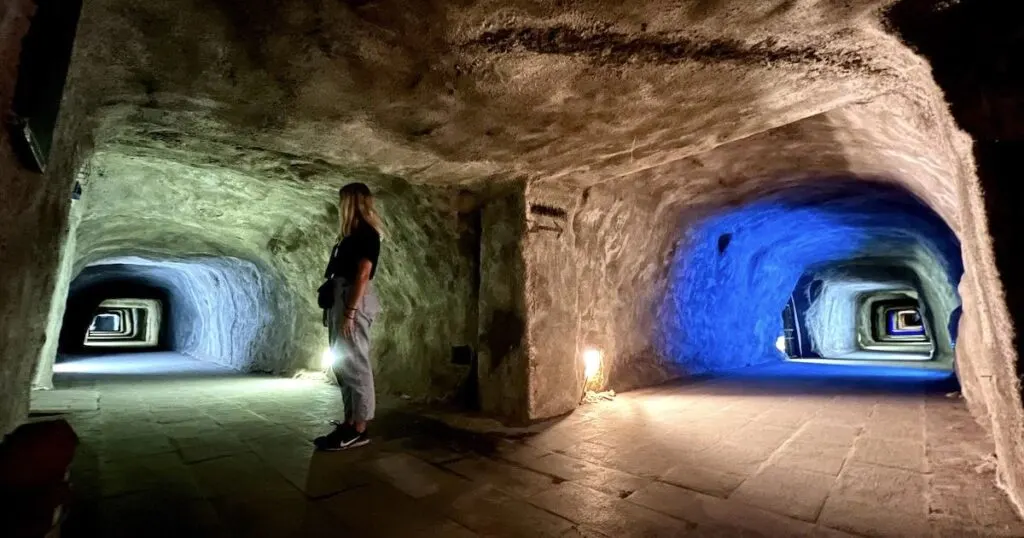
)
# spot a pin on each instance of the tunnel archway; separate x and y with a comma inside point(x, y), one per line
point(725, 299)
point(219, 310)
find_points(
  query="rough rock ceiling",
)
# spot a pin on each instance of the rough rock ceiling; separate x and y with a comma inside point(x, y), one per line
point(462, 92)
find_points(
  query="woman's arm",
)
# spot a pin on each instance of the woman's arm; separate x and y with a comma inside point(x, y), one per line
point(358, 288)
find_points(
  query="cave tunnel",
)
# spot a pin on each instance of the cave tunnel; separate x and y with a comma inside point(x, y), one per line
point(857, 275)
point(716, 267)
point(209, 309)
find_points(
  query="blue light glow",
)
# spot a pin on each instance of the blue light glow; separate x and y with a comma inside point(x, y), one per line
point(789, 370)
point(734, 273)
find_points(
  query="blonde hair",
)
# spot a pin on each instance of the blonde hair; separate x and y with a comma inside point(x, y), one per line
point(355, 206)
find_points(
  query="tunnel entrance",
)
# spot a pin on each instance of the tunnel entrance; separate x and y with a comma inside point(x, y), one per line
point(208, 309)
point(864, 314)
point(125, 323)
point(848, 274)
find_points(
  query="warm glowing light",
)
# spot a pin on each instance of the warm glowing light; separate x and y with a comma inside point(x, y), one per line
point(327, 359)
point(780, 344)
point(591, 363)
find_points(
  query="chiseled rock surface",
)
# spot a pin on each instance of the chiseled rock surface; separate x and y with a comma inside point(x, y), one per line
point(173, 212)
point(223, 128)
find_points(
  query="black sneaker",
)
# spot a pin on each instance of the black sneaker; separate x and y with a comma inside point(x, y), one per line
point(343, 437)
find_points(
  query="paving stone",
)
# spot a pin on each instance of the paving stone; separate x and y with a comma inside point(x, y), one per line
point(133, 447)
point(708, 511)
point(703, 479)
point(131, 474)
point(553, 440)
point(430, 450)
point(201, 451)
point(747, 410)
point(817, 457)
point(240, 475)
point(515, 481)
point(197, 427)
point(254, 430)
point(610, 481)
point(580, 532)
point(786, 417)
point(872, 519)
point(716, 427)
point(490, 512)
point(947, 527)
point(286, 454)
point(158, 472)
point(842, 415)
point(413, 476)
point(277, 516)
point(882, 488)
point(972, 499)
point(609, 515)
point(735, 459)
point(647, 461)
point(767, 438)
point(882, 427)
point(140, 514)
point(792, 492)
point(333, 472)
point(378, 510)
point(612, 437)
point(519, 452)
point(172, 415)
point(820, 431)
point(691, 437)
point(589, 451)
point(903, 453)
point(723, 531)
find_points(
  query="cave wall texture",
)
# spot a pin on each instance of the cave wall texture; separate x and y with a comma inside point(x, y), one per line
point(222, 129)
point(503, 357)
point(33, 227)
point(222, 310)
point(18, 183)
point(176, 215)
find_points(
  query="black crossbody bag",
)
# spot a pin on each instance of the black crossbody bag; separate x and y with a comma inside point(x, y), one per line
point(325, 293)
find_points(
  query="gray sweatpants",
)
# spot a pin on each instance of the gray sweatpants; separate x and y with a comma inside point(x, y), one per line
point(352, 364)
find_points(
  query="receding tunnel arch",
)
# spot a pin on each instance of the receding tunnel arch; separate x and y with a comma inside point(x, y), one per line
point(835, 310)
point(723, 306)
point(98, 284)
point(219, 309)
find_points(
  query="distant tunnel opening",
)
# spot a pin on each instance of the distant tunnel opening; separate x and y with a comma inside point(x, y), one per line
point(213, 309)
point(125, 323)
point(852, 273)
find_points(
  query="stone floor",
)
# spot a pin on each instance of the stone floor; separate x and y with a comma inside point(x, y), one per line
point(180, 448)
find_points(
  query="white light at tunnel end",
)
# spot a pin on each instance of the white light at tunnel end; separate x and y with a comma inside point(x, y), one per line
point(780, 344)
point(327, 359)
point(591, 362)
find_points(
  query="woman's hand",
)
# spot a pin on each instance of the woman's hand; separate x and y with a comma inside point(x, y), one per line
point(348, 326)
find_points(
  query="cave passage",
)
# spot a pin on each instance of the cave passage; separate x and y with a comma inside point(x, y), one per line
point(814, 275)
point(210, 309)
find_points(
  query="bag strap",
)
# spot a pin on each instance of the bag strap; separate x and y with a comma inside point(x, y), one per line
point(328, 274)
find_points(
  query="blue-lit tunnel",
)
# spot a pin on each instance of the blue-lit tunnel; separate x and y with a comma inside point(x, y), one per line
point(736, 270)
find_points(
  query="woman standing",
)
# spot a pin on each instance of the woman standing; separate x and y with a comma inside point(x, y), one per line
point(351, 270)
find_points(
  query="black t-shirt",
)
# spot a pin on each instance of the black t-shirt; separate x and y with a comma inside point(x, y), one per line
point(362, 244)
